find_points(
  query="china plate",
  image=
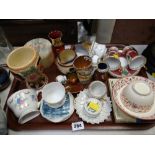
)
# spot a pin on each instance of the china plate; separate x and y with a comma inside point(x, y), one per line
point(79, 106)
point(117, 91)
point(124, 73)
point(60, 114)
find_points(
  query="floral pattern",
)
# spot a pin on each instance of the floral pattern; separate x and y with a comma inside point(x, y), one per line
point(124, 105)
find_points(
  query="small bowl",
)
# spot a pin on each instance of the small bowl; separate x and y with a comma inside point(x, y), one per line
point(137, 62)
point(113, 63)
point(97, 89)
point(92, 107)
point(54, 94)
point(139, 93)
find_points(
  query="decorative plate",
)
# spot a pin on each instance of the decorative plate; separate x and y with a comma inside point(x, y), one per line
point(145, 114)
point(60, 114)
point(79, 106)
point(124, 69)
point(123, 72)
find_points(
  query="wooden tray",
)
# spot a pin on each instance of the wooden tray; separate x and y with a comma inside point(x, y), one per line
point(39, 123)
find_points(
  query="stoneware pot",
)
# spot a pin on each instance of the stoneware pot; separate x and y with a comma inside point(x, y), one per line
point(21, 60)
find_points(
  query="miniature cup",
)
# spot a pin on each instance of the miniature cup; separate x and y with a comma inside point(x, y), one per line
point(24, 105)
point(97, 89)
point(84, 68)
point(135, 61)
point(139, 93)
point(54, 94)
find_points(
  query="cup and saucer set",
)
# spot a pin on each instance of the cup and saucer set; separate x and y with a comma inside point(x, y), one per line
point(92, 104)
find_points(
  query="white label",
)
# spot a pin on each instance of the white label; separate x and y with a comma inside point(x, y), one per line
point(77, 126)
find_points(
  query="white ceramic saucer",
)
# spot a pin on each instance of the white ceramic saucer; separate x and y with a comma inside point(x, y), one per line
point(117, 92)
point(60, 114)
point(80, 100)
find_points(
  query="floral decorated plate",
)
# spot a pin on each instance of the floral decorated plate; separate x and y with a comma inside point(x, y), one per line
point(60, 114)
point(120, 54)
point(80, 101)
point(126, 106)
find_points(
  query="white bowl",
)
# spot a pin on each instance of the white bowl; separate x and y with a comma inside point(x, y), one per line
point(97, 89)
point(89, 111)
point(113, 63)
point(139, 93)
point(54, 94)
point(64, 68)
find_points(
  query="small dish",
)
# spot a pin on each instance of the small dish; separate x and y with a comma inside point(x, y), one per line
point(80, 101)
point(92, 107)
point(60, 114)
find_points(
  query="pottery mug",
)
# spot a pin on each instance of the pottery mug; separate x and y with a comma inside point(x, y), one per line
point(84, 68)
point(135, 61)
point(24, 105)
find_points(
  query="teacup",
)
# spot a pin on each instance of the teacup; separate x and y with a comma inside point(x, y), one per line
point(24, 105)
point(97, 89)
point(54, 94)
point(113, 63)
point(135, 61)
point(139, 93)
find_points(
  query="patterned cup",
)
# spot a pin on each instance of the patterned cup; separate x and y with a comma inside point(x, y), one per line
point(24, 105)
point(84, 68)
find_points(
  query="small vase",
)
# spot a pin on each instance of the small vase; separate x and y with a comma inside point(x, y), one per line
point(101, 73)
point(57, 44)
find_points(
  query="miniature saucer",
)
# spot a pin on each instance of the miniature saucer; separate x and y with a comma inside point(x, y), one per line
point(80, 101)
point(60, 114)
point(144, 113)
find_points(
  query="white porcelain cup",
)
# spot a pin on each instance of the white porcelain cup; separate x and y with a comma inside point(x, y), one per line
point(97, 89)
point(139, 93)
point(24, 105)
point(54, 94)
